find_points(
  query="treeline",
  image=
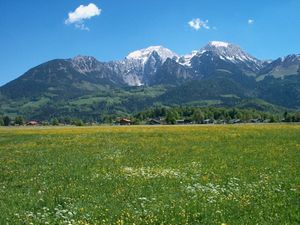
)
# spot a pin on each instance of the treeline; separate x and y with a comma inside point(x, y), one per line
point(20, 120)
point(202, 115)
point(167, 115)
point(8, 121)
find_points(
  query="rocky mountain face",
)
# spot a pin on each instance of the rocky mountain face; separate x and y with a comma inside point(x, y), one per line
point(147, 66)
point(66, 77)
point(204, 71)
point(139, 67)
point(281, 67)
point(224, 56)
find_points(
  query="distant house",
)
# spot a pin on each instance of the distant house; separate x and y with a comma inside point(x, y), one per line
point(208, 121)
point(220, 122)
point(234, 121)
point(185, 121)
point(180, 122)
point(125, 121)
point(255, 121)
point(153, 122)
point(32, 123)
point(188, 121)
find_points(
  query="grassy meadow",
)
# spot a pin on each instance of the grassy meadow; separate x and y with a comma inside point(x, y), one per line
point(243, 174)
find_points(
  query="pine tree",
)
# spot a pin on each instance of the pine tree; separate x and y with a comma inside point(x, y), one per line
point(6, 121)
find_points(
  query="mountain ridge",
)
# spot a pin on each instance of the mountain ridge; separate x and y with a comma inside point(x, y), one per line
point(135, 62)
point(145, 77)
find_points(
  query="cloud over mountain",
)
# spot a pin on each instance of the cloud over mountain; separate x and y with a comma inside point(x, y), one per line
point(197, 24)
point(81, 14)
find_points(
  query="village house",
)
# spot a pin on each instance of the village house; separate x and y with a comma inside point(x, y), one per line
point(255, 121)
point(208, 121)
point(32, 123)
point(154, 122)
point(125, 122)
point(234, 121)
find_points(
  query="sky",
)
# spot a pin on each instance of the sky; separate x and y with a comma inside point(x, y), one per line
point(34, 31)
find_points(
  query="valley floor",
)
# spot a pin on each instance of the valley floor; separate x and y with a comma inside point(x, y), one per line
point(245, 174)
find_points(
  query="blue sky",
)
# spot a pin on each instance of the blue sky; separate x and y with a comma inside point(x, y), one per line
point(35, 31)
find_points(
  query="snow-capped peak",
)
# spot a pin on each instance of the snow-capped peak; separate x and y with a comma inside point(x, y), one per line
point(219, 44)
point(230, 52)
point(186, 59)
point(144, 54)
point(192, 54)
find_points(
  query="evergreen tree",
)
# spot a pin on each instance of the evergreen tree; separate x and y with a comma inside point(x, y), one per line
point(6, 120)
point(297, 117)
point(285, 115)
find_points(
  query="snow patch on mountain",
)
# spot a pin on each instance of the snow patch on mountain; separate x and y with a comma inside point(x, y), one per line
point(232, 53)
point(144, 54)
point(185, 60)
point(131, 70)
point(140, 66)
point(133, 80)
point(291, 58)
point(219, 44)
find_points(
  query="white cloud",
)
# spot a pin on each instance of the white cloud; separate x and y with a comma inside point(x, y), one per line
point(81, 14)
point(251, 21)
point(197, 24)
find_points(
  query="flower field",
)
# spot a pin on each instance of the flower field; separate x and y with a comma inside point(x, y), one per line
point(239, 174)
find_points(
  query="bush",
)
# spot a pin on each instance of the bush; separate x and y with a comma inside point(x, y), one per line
point(19, 120)
point(78, 122)
point(172, 116)
point(55, 122)
point(198, 116)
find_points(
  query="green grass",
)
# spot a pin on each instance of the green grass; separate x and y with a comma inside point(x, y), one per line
point(150, 175)
point(204, 103)
point(35, 104)
point(93, 100)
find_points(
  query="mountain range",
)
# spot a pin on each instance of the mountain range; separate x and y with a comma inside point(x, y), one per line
point(219, 74)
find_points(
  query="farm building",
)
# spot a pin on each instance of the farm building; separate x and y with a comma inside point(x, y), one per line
point(208, 121)
point(125, 121)
point(185, 121)
point(32, 123)
point(154, 122)
point(255, 121)
point(234, 121)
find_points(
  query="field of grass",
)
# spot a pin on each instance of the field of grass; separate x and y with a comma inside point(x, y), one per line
point(242, 174)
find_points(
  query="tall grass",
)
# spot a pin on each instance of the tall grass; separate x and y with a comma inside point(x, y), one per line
point(150, 175)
